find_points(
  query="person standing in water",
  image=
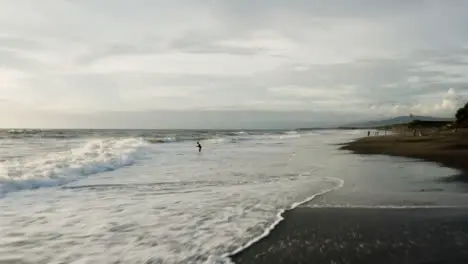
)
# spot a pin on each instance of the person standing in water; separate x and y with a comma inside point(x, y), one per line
point(199, 146)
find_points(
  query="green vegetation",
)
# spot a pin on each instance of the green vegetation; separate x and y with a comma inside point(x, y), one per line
point(462, 116)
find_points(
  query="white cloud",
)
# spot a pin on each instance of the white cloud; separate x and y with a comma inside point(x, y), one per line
point(450, 102)
point(316, 93)
point(371, 58)
point(438, 104)
point(185, 63)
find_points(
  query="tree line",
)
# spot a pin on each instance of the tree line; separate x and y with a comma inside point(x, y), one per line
point(461, 116)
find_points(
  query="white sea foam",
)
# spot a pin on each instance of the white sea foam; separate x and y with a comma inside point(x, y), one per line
point(161, 140)
point(290, 135)
point(218, 140)
point(279, 218)
point(63, 167)
point(175, 205)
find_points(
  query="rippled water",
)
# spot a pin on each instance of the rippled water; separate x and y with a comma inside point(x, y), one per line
point(120, 198)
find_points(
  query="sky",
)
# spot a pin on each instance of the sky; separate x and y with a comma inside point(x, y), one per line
point(230, 63)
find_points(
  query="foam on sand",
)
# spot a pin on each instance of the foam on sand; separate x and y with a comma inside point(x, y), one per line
point(279, 217)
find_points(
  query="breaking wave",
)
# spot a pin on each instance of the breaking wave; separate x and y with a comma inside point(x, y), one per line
point(64, 167)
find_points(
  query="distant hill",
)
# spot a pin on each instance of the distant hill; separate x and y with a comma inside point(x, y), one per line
point(395, 121)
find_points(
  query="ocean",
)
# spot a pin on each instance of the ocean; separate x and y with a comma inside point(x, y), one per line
point(149, 196)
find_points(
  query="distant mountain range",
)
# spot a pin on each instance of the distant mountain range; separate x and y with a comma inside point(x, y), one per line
point(395, 121)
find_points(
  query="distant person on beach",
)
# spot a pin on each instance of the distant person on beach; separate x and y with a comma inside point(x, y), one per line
point(368, 133)
point(199, 146)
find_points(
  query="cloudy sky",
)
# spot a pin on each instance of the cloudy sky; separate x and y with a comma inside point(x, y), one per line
point(231, 63)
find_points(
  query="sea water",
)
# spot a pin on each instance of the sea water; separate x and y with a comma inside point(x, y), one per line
point(109, 196)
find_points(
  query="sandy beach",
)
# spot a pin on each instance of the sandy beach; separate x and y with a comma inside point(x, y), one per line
point(400, 235)
point(387, 236)
point(448, 149)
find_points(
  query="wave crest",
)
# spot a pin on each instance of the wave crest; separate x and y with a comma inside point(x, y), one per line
point(64, 167)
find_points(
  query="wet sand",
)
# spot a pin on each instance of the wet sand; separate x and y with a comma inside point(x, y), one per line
point(353, 235)
point(376, 235)
point(447, 149)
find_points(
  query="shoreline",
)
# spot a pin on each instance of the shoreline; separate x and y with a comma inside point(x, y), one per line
point(319, 235)
point(448, 149)
point(413, 234)
point(280, 217)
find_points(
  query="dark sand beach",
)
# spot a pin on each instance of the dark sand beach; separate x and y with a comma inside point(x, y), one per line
point(448, 149)
point(376, 235)
point(353, 235)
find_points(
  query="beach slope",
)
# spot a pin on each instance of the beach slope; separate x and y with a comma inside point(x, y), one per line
point(448, 149)
point(361, 236)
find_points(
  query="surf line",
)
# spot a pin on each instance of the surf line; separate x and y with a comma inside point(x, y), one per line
point(279, 218)
point(398, 207)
